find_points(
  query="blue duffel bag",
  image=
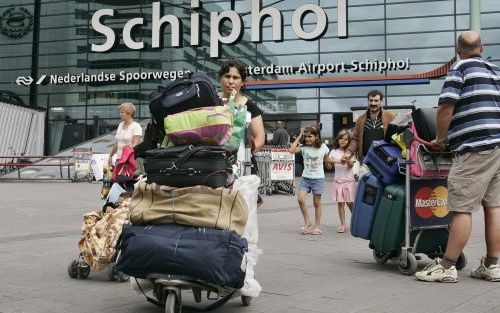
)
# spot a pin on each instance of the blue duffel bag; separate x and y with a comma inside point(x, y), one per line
point(214, 256)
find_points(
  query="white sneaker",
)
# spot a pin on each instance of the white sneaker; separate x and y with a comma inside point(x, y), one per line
point(490, 273)
point(435, 272)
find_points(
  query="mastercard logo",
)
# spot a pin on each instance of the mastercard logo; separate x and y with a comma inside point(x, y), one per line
point(431, 202)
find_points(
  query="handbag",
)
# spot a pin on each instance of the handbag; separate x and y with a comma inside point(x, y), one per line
point(183, 94)
point(201, 126)
point(239, 124)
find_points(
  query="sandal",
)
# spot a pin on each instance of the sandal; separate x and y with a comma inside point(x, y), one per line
point(316, 231)
point(341, 229)
point(305, 230)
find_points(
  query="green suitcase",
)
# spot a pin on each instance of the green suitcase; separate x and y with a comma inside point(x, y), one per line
point(389, 226)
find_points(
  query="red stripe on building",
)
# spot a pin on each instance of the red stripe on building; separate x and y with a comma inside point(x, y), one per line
point(438, 72)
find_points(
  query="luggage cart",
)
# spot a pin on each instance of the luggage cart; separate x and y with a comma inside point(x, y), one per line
point(167, 292)
point(82, 169)
point(79, 268)
point(425, 211)
point(276, 169)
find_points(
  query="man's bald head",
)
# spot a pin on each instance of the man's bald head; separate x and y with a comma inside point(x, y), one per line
point(468, 44)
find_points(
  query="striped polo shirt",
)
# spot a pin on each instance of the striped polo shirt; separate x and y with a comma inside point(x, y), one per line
point(473, 87)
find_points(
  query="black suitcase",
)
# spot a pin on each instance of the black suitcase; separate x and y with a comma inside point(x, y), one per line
point(214, 256)
point(425, 120)
point(186, 166)
point(183, 94)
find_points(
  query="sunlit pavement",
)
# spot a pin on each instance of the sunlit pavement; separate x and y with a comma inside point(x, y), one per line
point(40, 226)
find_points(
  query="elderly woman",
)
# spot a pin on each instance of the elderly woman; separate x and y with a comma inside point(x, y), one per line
point(129, 132)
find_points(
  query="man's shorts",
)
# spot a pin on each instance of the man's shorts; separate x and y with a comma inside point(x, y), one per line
point(316, 186)
point(474, 181)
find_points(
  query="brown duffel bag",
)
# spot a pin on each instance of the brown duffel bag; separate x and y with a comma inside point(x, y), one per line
point(199, 206)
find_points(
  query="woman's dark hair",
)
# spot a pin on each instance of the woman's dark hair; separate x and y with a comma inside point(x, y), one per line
point(315, 132)
point(341, 134)
point(239, 65)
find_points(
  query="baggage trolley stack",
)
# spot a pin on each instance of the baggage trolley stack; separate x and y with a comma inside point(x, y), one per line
point(422, 226)
point(276, 169)
point(193, 217)
point(82, 167)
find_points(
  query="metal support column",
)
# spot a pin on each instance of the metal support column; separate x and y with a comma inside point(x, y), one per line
point(475, 15)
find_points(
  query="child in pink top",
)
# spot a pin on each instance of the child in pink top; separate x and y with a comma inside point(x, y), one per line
point(344, 183)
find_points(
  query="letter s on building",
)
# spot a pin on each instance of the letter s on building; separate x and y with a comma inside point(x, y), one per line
point(106, 31)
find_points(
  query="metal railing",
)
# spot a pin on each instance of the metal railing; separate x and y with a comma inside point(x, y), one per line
point(13, 163)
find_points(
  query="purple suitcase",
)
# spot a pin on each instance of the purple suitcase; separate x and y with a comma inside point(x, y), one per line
point(382, 159)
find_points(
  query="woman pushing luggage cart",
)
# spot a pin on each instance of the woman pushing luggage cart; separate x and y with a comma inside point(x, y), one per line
point(194, 266)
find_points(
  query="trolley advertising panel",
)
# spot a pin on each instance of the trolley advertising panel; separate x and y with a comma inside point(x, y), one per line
point(429, 203)
point(282, 164)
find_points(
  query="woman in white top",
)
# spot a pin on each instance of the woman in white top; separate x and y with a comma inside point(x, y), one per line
point(129, 132)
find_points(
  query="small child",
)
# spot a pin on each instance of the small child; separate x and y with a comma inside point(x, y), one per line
point(314, 153)
point(344, 183)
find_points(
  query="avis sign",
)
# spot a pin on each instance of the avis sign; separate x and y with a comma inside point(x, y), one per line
point(217, 19)
point(282, 165)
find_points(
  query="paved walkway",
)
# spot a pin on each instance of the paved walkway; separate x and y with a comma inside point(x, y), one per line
point(40, 225)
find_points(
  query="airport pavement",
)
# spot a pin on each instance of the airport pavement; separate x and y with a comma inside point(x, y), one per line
point(40, 225)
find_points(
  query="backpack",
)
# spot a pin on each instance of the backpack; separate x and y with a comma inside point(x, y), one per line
point(193, 91)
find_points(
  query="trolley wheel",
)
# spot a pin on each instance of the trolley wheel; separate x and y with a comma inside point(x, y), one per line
point(73, 269)
point(461, 261)
point(246, 300)
point(197, 294)
point(262, 191)
point(122, 277)
point(112, 274)
point(90, 178)
point(380, 258)
point(83, 272)
point(411, 265)
point(171, 305)
point(269, 191)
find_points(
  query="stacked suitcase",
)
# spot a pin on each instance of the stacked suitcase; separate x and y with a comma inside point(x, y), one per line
point(379, 212)
point(168, 236)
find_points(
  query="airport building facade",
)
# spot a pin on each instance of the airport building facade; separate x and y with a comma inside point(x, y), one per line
point(308, 61)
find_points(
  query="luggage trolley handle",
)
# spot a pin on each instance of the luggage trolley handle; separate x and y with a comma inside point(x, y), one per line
point(425, 145)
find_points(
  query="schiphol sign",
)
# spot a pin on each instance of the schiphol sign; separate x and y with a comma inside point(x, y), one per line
point(217, 19)
point(353, 66)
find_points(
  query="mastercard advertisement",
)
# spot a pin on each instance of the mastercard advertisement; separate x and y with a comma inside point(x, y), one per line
point(429, 205)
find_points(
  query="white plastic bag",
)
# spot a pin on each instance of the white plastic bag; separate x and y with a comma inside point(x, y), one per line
point(248, 186)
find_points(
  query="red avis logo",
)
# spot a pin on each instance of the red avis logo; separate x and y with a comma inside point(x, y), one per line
point(282, 167)
point(431, 201)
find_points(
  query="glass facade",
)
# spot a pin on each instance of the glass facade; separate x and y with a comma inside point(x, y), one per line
point(54, 37)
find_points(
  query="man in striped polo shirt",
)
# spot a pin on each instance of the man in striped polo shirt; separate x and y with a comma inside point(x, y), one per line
point(469, 121)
